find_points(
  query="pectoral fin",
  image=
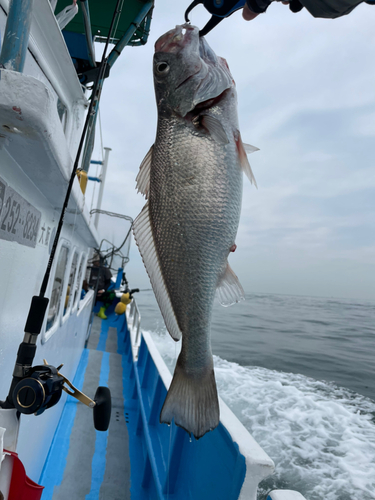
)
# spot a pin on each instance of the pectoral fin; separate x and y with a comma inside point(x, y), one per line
point(249, 148)
point(243, 149)
point(214, 128)
point(229, 290)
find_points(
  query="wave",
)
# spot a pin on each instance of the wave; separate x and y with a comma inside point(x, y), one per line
point(320, 436)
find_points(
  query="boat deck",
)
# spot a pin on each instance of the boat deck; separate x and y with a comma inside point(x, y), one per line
point(165, 462)
point(84, 463)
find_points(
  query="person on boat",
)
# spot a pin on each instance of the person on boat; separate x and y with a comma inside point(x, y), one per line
point(101, 273)
point(318, 8)
point(100, 279)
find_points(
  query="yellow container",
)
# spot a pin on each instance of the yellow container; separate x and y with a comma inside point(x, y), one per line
point(120, 308)
point(125, 298)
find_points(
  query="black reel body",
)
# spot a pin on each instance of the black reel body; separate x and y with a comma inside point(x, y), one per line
point(41, 389)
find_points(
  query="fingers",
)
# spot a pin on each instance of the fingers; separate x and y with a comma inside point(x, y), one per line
point(248, 14)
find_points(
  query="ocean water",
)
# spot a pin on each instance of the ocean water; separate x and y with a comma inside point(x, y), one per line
point(299, 373)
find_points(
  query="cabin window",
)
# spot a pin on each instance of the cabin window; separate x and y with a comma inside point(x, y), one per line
point(57, 288)
point(71, 283)
point(78, 289)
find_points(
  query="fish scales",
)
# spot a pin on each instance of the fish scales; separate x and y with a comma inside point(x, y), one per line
point(195, 209)
point(192, 177)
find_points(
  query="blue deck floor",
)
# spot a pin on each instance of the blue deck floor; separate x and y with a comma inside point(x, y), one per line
point(84, 463)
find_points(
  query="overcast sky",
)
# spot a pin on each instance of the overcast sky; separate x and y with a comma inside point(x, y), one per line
point(306, 98)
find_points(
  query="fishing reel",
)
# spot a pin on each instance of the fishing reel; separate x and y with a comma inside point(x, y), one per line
point(42, 388)
point(124, 282)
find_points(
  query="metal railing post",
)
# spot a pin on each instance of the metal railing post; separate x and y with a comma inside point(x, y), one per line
point(16, 36)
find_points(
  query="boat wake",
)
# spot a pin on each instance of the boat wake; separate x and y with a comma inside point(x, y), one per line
point(320, 436)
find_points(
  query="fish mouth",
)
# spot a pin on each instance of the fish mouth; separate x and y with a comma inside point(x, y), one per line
point(187, 79)
point(175, 40)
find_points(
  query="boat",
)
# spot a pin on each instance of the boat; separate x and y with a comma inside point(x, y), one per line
point(98, 436)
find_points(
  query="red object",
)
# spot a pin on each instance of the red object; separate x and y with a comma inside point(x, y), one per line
point(21, 486)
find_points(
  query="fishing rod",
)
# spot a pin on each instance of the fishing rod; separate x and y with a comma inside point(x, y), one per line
point(35, 389)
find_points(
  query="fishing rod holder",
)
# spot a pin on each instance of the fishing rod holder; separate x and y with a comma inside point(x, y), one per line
point(42, 388)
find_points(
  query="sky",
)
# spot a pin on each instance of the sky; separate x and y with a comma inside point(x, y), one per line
point(306, 99)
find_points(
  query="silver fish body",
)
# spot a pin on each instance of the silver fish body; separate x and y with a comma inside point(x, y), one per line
point(192, 178)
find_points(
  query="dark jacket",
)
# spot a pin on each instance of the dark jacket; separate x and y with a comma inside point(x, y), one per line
point(331, 8)
point(318, 8)
point(104, 279)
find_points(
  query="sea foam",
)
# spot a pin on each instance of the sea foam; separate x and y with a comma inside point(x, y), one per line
point(320, 436)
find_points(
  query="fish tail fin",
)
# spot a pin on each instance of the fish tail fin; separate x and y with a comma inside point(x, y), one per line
point(192, 401)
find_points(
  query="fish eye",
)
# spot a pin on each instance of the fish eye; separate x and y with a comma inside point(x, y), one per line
point(162, 68)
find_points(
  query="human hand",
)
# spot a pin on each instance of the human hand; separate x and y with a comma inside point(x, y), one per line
point(248, 14)
point(261, 6)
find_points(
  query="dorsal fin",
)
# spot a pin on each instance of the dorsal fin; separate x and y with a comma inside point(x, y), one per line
point(145, 241)
point(143, 177)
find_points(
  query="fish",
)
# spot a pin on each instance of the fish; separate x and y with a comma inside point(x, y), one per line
point(192, 180)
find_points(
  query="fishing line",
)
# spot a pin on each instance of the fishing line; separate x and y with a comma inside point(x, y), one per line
point(169, 457)
point(100, 121)
point(94, 98)
point(76, 211)
point(118, 20)
point(75, 219)
point(101, 134)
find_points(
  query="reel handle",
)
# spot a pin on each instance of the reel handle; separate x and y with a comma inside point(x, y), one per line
point(102, 409)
